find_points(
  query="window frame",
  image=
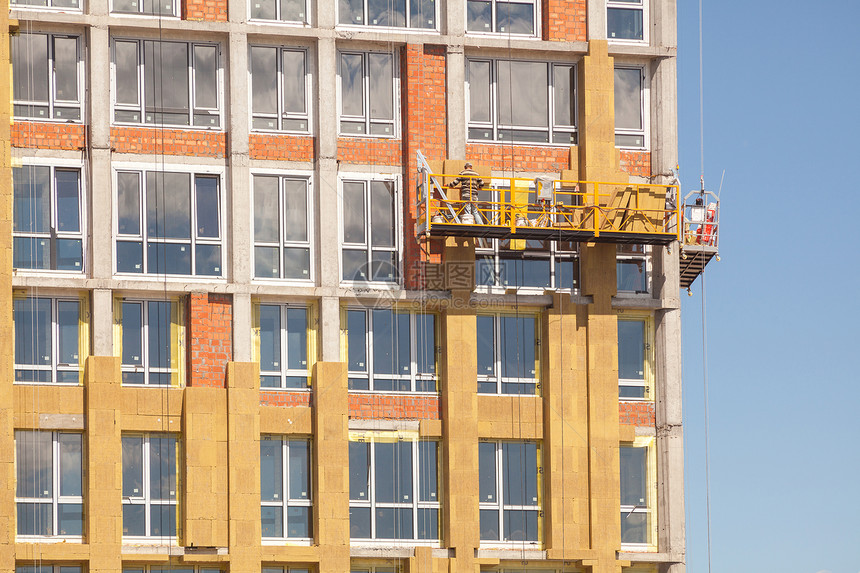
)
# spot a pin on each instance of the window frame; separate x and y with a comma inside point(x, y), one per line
point(283, 244)
point(53, 101)
point(499, 504)
point(48, 7)
point(56, 496)
point(306, 21)
point(171, 568)
point(141, 105)
point(285, 373)
point(192, 242)
point(55, 367)
point(287, 502)
point(49, 568)
point(631, 5)
point(409, 17)
point(648, 443)
point(494, 23)
point(174, 14)
point(414, 377)
point(281, 114)
point(628, 254)
point(371, 438)
point(145, 499)
point(367, 246)
point(394, 122)
point(646, 383)
point(496, 127)
point(644, 109)
point(498, 354)
point(176, 338)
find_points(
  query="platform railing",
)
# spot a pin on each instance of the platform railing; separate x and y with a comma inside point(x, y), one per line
point(701, 220)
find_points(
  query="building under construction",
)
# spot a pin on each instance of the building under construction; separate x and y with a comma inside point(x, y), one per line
point(261, 318)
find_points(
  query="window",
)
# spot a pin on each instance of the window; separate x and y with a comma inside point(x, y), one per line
point(370, 231)
point(73, 4)
point(168, 223)
point(149, 485)
point(46, 72)
point(393, 488)
point(368, 85)
point(283, 339)
point(625, 20)
point(420, 14)
point(292, 11)
point(172, 568)
point(286, 570)
point(285, 488)
point(634, 361)
point(47, 218)
point(631, 268)
point(49, 492)
point(638, 490)
point(47, 568)
point(167, 83)
point(391, 351)
point(505, 101)
point(148, 7)
point(536, 264)
point(282, 227)
point(279, 86)
point(507, 354)
point(502, 17)
point(151, 341)
point(629, 107)
point(508, 490)
point(48, 341)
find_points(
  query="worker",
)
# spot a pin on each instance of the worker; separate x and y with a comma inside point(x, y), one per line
point(469, 183)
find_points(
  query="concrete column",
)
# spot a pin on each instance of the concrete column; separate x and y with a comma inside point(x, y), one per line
point(100, 179)
point(596, 19)
point(102, 322)
point(453, 18)
point(456, 87)
point(242, 328)
point(239, 188)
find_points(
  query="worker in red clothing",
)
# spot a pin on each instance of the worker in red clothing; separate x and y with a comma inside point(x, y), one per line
point(469, 183)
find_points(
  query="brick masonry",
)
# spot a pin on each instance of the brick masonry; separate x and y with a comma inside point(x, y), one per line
point(43, 135)
point(282, 147)
point(519, 158)
point(187, 142)
point(285, 399)
point(211, 10)
point(210, 338)
point(636, 414)
point(564, 20)
point(394, 407)
point(370, 150)
point(636, 162)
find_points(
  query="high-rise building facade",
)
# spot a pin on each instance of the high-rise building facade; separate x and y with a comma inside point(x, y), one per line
point(233, 342)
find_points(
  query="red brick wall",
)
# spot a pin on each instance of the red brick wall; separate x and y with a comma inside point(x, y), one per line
point(168, 141)
point(636, 162)
point(519, 158)
point(35, 134)
point(636, 414)
point(564, 20)
point(394, 407)
point(288, 147)
point(210, 338)
point(287, 399)
point(369, 150)
point(213, 10)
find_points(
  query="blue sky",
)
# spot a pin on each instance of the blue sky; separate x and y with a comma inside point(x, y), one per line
point(782, 118)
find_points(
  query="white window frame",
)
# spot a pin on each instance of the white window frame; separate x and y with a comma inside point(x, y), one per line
point(413, 377)
point(53, 101)
point(499, 504)
point(171, 568)
point(54, 235)
point(56, 499)
point(494, 125)
point(281, 115)
point(145, 366)
point(49, 568)
point(642, 258)
point(371, 438)
point(198, 171)
point(56, 366)
point(282, 242)
point(286, 569)
point(288, 502)
point(140, 107)
point(48, 8)
point(278, 19)
point(646, 382)
point(536, 19)
point(173, 14)
point(365, 17)
point(394, 123)
point(645, 103)
point(649, 507)
point(395, 181)
point(633, 5)
point(284, 372)
point(145, 499)
point(498, 356)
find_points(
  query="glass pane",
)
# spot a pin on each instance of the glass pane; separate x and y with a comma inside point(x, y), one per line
point(133, 520)
point(264, 80)
point(525, 272)
point(487, 472)
point(297, 263)
point(270, 338)
point(300, 485)
point(294, 81)
point(351, 84)
point(208, 207)
point(393, 472)
point(271, 470)
point(262, 9)
point(489, 525)
point(428, 523)
point(31, 253)
point(298, 522)
point(422, 14)
point(355, 265)
point(359, 470)
point(353, 212)
point(162, 520)
point(382, 213)
point(518, 343)
point(206, 77)
point(628, 98)
point(169, 258)
point(266, 209)
point(32, 190)
point(356, 340)
point(70, 519)
point(519, 103)
point(35, 519)
point(30, 67)
point(125, 56)
point(128, 203)
point(272, 521)
point(515, 18)
point(295, 210)
point(162, 467)
point(168, 205)
point(297, 338)
point(479, 87)
point(359, 523)
point(381, 85)
point(70, 464)
point(66, 68)
point(166, 77)
point(563, 84)
point(383, 342)
point(132, 333)
point(521, 525)
point(624, 24)
point(393, 523)
point(426, 344)
point(68, 201)
point(350, 12)
point(520, 473)
point(633, 476)
point(634, 527)
point(208, 260)
point(479, 15)
point(293, 10)
point(428, 472)
point(267, 262)
point(68, 315)
point(32, 331)
point(33, 457)
point(132, 466)
point(486, 345)
point(386, 13)
point(631, 349)
point(384, 266)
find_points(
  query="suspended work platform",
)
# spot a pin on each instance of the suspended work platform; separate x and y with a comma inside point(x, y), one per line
point(700, 234)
